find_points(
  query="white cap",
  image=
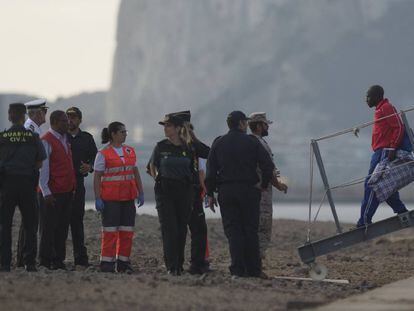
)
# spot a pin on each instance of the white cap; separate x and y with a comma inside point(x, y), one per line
point(37, 103)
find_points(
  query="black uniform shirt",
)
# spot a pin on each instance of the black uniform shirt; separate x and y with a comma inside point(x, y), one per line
point(20, 150)
point(234, 158)
point(178, 162)
point(83, 150)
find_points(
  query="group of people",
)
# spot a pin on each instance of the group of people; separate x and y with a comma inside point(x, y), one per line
point(43, 174)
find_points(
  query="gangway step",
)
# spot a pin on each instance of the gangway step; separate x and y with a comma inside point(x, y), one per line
point(309, 251)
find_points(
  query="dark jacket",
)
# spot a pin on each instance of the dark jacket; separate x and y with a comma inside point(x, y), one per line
point(20, 150)
point(83, 150)
point(178, 162)
point(234, 158)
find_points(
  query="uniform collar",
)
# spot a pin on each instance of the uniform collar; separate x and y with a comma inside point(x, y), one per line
point(236, 130)
point(17, 127)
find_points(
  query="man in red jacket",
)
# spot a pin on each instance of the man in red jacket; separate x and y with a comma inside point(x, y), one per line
point(57, 182)
point(388, 135)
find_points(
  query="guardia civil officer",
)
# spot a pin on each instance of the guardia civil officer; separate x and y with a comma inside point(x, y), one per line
point(36, 111)
point(173, 167)
point(83, 155)
point(21, 155)
point(231, 169)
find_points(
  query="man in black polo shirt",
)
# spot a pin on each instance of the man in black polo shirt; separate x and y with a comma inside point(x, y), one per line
point(231, 169)
point(83, 153)
point(21, 156)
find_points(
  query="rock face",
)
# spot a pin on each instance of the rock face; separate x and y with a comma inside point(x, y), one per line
point(306, 63)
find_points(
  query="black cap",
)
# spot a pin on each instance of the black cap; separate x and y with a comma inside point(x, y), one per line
point(176, 118)
point(237, 116)
point(17, 108)
point(74, 110)
point(183, 115)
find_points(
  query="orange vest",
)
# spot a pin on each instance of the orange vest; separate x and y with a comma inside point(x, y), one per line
point(118, 180)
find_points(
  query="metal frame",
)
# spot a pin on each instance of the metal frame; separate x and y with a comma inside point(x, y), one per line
point(310, 250)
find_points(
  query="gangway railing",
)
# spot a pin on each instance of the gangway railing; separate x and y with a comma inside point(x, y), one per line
point(311, 250)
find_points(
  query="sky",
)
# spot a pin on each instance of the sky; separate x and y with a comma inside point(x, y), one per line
point(53, 48)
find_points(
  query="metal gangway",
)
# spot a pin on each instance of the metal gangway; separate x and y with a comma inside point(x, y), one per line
point(313, 249)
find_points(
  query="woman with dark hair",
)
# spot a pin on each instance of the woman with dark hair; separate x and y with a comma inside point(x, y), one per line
point(174, 168)
point(117, 183)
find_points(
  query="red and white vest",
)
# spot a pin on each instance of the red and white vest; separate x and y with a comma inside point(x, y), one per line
point(118, 180)
point(61, 172)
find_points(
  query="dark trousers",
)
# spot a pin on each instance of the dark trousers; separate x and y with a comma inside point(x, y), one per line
point(20, 191)
point(80, 254)
point(54, 227)
point(240, 209)
point(370, 202)
point(198, 230)
point(174, 203)
point(22, 234)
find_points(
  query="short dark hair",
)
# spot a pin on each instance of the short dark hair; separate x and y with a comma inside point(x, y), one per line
point(113, 127)
point(55, 116)
point(16, 112)
point(376, 91)
point(74, 111)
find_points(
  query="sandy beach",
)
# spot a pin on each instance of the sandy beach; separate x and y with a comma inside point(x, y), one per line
point(366, 266)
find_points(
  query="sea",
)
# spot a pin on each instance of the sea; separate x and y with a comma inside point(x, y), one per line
point(347, 212)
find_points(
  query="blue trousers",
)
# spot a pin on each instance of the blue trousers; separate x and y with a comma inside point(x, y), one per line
point(370, 203)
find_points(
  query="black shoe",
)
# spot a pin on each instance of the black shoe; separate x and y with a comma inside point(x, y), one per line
point(123, 267)
point(57, 266)
point(108, 267)
point(259, 275)
point(82, 262)
point(195, 270)
point(45, 265)
point(30, 268)
point(4, 268)
point(174, 272)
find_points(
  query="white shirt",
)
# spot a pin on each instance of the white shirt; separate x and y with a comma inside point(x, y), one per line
point(32, 126)
point(45, 170)
point(100, 164)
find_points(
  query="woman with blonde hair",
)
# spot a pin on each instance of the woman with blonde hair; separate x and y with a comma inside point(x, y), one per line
point(173, 167)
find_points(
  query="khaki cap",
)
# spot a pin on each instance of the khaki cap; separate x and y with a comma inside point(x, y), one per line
point(259, 117)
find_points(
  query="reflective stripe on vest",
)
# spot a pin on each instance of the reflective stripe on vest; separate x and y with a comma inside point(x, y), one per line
point(118, 180)
point(118, 169)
